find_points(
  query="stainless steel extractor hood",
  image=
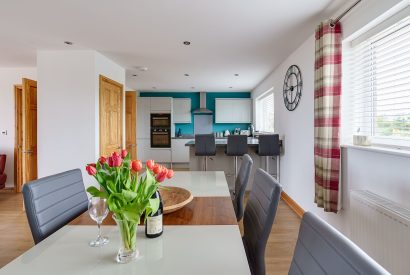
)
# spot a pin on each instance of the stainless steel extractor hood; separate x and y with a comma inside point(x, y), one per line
point(202, 106)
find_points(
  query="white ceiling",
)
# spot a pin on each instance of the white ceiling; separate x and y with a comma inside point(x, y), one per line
point(245, 37)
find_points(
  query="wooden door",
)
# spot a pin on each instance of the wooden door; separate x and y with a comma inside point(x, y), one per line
point(29, 130)
point(131, 123)
point(111, 100)
point(18, 138)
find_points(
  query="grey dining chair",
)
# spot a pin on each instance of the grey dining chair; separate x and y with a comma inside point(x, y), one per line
point(54, 201)
point(269, 146)
point(240, 185)
point(321, 249)
point(258, 218)
point(205, 146)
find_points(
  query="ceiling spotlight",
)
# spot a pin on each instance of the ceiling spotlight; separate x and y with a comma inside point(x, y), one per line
point(68, 43)
point(230, 87)
point(153, 87)
point(192, 87)
point(236, 74)
point(187, 43)
point(186, 74)
point(134, 75)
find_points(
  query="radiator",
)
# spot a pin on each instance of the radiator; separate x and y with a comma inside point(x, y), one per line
point(382, 229)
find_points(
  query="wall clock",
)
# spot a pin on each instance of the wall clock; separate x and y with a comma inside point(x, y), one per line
point(292, 87)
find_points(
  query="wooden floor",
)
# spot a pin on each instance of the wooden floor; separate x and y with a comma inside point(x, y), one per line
point(15, 235)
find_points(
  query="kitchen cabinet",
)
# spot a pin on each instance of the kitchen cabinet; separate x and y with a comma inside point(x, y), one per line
point(180, 152)
point(233, 110)
point(145, 152)
point(143, 117)
point(182, 110)
point(161, 105)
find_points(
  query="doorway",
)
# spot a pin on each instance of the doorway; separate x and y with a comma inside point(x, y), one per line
point(25, 148)
point(131, 123)
point(111, 116)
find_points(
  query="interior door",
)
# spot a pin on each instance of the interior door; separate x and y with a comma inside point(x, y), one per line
point(111, 100)
point(131, 123)
point(18, 142)
point(29, 130)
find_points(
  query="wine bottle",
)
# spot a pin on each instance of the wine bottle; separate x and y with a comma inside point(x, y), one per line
point(153, 224)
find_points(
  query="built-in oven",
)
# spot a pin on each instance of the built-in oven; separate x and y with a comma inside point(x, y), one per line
point(160, 130)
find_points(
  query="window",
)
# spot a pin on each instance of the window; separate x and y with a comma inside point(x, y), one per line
point(380, 86)
point(264, 112)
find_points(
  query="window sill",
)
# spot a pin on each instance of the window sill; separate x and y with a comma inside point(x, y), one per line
point(379, 149)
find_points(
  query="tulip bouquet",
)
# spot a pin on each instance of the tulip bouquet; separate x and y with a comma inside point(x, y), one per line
point(128, 194)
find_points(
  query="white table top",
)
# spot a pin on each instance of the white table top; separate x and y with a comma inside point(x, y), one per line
point(180, 250)
point(201, 183)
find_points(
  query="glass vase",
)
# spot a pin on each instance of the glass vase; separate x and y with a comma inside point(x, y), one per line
point(128, 240)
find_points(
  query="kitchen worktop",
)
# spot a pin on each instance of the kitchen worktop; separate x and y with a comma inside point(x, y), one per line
point(184, 137)
point(224, 141)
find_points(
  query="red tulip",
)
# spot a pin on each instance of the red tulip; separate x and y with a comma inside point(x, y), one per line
point(124, 153)
point(102, 160)
point(164, 171)
point(160, 177)
point(150, 164)
point(92, 164)
point(156, 169)
point(115, 160)
point(170, 173)
point(91, 170)
point(136, 165)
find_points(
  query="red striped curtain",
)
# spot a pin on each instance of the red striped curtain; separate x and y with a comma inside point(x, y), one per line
point(328, 77)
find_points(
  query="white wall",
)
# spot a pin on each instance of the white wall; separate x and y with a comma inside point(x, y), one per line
point(68, 108)
point(381, 173)
point(8, 78)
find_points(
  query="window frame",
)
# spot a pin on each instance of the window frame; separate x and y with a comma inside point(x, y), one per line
point(259, 112)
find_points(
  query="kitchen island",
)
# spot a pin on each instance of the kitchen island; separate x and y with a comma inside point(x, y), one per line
point(222, 162)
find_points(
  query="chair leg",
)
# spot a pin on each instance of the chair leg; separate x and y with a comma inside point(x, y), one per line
point(236, 167)
point(206, 163)
point(278, 168)
point(267, 164)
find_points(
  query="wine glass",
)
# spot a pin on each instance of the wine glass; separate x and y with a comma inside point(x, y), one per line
point(98, 210)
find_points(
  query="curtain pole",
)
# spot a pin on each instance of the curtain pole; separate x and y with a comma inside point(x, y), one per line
point(334, 21)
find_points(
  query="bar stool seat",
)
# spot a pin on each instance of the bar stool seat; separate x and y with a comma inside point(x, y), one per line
point(269, 146)
point(205, 146)
point(237, 146)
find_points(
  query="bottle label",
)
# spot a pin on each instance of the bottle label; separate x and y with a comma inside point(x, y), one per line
point(154, 225)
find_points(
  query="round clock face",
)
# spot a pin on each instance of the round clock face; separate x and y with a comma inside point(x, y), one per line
point(292, 87)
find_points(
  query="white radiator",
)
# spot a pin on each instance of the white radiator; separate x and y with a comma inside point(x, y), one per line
point(382, 229)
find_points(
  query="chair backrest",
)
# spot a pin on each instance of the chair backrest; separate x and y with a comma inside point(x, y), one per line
point(258, 218)
point(205, 145)
point(53, 201)
point(240, 185)
point(321, 249)
point(269, 145)
point(237, 145)
point(2, 163)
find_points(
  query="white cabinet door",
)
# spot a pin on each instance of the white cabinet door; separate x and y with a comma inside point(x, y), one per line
point(182, 110)
point(161, 104)
point(161, 155)
point(180, 152)
point(233, 110)
point(143, 149)
point(143, 117)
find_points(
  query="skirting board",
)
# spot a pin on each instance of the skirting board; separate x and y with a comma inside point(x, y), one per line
point(292, 204)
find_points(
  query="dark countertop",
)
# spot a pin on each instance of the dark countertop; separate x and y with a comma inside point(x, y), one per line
point(224, 141)
point(184, 137)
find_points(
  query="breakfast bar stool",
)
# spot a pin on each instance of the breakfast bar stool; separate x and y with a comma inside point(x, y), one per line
point(237, 146)
point(269, 146)
point(205, 146)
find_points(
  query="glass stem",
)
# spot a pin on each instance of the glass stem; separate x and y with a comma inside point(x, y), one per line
point(99, 230)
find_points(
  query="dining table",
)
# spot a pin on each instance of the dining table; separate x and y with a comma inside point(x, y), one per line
point(201, 238)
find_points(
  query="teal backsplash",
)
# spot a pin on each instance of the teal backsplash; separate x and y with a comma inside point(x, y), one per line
point(188, 128)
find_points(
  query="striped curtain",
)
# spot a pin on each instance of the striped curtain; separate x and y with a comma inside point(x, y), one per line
point(328, 74)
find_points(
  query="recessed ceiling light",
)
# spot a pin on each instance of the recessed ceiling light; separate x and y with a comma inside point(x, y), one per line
point(153, 87)
point(186, 74)
point(192, 87)
point(230, 87)
point(134, 75)
point(68, 43)
point(187, 43)
point(236, 74)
